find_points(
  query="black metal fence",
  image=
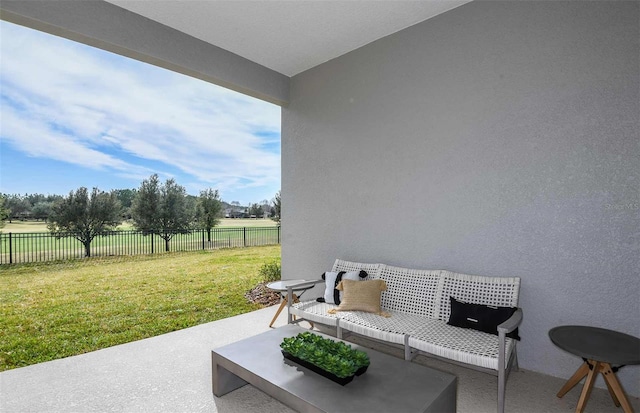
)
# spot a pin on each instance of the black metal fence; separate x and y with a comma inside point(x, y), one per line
point(42, 246)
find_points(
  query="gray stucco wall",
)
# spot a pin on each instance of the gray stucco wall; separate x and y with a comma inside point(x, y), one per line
point(496, 139)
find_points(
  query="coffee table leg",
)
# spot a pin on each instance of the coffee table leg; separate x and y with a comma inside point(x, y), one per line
point(613, 384)
point(588, 386)
point(575, 379)
point(223, 381)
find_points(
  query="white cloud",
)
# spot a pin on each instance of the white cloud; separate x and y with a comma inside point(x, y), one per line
point(64, 101)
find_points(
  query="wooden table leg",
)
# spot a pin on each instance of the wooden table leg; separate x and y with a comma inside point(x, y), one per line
point(604, 370)
point(613, 384)
point(575, 379)
point(588, 386)
point(282, 305)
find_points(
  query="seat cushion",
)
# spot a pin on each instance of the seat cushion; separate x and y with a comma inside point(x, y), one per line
point(317, 312)
point(459, 344)
point(391, 329)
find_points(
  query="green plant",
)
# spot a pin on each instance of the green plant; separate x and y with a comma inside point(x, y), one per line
point(271, 271)
point(336, 357)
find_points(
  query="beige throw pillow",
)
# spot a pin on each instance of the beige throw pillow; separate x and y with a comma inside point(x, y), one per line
point(361, 296)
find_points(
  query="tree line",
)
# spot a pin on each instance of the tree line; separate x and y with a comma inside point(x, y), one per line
point(155, 208)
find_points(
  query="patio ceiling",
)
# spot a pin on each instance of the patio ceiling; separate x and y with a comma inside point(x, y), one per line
point(288, 36)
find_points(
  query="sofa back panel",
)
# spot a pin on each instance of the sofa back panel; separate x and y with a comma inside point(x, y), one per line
point(410, 291)
point(373, 270)
point(495, 291)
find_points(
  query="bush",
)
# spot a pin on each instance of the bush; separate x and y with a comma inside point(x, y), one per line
point(270, 272)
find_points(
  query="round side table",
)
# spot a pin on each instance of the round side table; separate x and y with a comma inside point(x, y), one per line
point(281, 287)
point(599, 348)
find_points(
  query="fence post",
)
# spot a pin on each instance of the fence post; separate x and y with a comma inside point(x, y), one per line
point(152, 242)
point(10, 249)
point(244, 232)
point(278, 234)
point(203, 240)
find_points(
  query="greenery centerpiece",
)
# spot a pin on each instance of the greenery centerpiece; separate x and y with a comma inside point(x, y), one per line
point(333, 359)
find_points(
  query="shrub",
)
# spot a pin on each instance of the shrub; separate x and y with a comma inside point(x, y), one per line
point(271, 271)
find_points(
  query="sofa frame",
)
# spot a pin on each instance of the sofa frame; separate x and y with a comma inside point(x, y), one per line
point(418, 301)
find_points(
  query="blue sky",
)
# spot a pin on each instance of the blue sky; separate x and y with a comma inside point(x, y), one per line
point(72, 115)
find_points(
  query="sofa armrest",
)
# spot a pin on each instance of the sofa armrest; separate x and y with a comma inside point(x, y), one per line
point(512, 323)
point(307, 284)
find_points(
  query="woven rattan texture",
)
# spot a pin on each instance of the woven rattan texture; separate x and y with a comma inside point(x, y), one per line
point(495, 291)
point(399, 323)
point(315, 311)
point(373, 270)
point(410, 291)
point(460, 344)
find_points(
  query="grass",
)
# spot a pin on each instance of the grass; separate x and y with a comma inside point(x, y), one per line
point(22, 247)
point(54, 310)
point(41, 226)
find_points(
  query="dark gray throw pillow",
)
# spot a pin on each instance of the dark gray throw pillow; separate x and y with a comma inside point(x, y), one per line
point(480, 317)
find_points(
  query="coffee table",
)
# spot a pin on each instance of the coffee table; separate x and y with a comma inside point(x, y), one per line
point(599, 348)
point(390, 384)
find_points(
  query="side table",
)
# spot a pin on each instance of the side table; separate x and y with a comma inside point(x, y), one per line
point(599, 348)
point(282, 287)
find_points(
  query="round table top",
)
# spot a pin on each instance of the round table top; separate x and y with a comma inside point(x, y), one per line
point(598, 344)
point(282, 285)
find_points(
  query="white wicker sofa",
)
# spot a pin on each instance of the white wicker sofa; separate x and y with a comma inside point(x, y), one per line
point(419, 304)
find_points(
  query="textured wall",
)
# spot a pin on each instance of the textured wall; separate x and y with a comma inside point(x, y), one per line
point(500, 138)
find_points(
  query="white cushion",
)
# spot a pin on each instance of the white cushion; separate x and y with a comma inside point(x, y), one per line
point(391, 329)
point(317, 312)
point(460, 344)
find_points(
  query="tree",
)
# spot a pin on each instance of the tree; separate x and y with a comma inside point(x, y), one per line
point(161, 209)
point(276, 206)
point(84, 217)
point(4, 212)
point(209, 210)
point(125, 196)
point(255, 211)
point(41, 210)
point(17, 205)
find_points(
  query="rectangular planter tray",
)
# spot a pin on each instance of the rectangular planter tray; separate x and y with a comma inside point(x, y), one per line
point(340, 380)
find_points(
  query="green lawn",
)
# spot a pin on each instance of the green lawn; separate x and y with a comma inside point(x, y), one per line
point(24, 247)
point(54, 310)
point(41, 226)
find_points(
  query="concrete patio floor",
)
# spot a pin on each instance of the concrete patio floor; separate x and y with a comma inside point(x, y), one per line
point(172, 373)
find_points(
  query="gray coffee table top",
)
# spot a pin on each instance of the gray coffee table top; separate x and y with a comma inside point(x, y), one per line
point(390, 384)
point(596, 343)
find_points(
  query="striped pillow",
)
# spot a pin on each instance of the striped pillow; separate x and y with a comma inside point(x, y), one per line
point(331, 293)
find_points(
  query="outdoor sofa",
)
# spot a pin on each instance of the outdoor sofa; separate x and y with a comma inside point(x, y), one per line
point(415, 312)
